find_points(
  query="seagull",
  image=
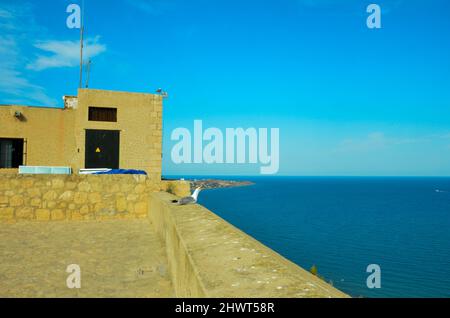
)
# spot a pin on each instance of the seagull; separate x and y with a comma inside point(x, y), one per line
point(188, 200)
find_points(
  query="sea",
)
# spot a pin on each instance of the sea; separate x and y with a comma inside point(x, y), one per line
point(341, 225)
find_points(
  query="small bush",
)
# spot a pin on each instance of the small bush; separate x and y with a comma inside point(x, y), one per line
point(314, 270)
point(170, 188)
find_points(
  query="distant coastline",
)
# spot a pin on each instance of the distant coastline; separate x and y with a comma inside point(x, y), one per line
point(217, 184)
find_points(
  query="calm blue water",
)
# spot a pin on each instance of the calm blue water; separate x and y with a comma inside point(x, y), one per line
point(343, 224)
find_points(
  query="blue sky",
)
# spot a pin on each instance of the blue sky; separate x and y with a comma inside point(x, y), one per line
point(348, 100)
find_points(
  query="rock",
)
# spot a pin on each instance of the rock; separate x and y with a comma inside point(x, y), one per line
point(42, 215)
point(16, 200)
point(58, 215)
point(25, 213)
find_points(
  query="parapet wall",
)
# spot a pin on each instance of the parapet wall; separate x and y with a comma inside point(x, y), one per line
point(176, 187)
point(75, 197)
point(208, 257)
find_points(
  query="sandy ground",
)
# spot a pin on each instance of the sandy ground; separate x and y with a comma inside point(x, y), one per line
point(122, 258)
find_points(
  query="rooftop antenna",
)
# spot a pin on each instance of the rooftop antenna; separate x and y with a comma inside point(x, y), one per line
point(81, 44)
point(162, 93)
point(88, 71)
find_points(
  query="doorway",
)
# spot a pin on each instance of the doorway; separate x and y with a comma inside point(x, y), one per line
point(102, 149)
point(11, 153)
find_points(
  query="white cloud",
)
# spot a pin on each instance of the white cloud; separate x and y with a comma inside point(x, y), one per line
point(15, 87)
point(18, 34)
point(13, 83)
point(65, 53)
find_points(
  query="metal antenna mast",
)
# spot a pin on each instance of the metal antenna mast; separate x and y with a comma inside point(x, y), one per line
point(81, 44)
point(88, 71)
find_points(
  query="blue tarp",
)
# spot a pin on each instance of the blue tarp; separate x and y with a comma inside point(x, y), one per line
point(123, 171)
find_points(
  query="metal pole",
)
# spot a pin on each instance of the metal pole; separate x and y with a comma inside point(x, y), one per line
point(81, 45)
point(88, 73)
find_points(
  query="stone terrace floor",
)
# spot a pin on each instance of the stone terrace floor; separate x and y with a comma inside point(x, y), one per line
point(120, 258)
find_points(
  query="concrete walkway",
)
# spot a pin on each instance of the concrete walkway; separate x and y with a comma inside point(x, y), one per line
point(121, 258)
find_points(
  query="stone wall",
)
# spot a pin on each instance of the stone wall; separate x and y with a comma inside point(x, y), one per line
point(177, 187)
point(9, 171)
point(75, 197)
point(208, 257)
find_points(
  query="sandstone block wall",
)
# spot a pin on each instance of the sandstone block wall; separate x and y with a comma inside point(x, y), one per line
point(75, 197)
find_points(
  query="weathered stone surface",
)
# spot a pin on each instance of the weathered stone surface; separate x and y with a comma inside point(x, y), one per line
point(113, 188)
point(84, 210)
point(35, 202)
point(28, 183)
point(130, 208)
point(95, 197)
point(121, 204)
point(58, 215)
point(140, 188)
point(62, 205)
point(16, 200)
point(4, 199)
point(126, 187)
point(77, 197)
point(57, 184)
point(98, 207)
point(84, 186)
point(71, 185)
point(50, 195)
point(80, 198)
point(132, 197)
point(97, 186)
point(33, 192)
point(6, 213)
point(76, 216)
point(141, 208)
point(67, 196)
point(51, 204)
point(118, 258)
point(24, 213)
point(4, 185)
point(42, 214)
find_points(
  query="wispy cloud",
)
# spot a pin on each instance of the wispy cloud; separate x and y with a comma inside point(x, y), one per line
point(13, 82)
point(64, 53)
point(18, 66)
point(15, 86)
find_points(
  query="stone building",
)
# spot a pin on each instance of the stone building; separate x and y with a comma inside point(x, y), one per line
point(96, 129)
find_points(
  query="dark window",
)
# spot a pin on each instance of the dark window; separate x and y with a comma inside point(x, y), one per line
point(102, 114)
point(11, 153)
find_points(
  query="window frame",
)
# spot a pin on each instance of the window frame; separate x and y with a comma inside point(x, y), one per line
point(108, 115)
